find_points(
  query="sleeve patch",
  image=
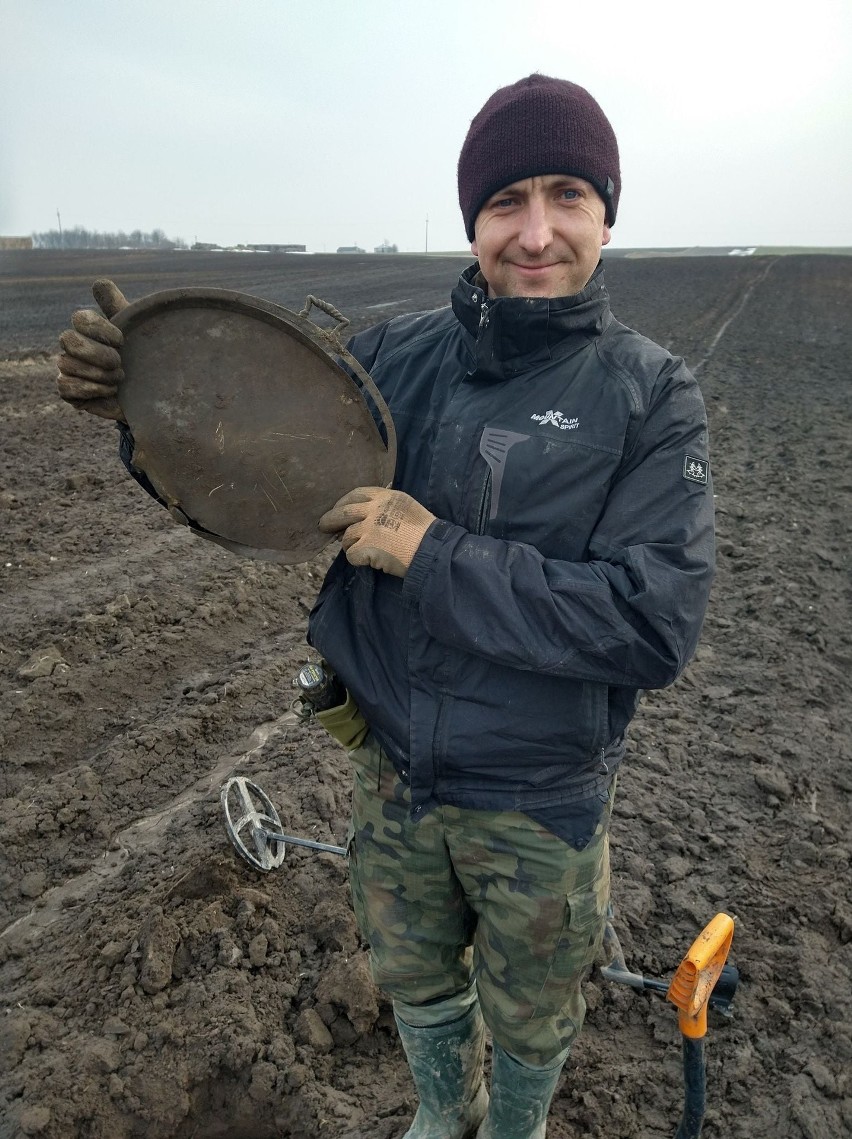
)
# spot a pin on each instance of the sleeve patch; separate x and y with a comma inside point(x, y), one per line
point(696, 470)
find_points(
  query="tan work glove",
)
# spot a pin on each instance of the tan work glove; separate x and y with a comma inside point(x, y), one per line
point(90, 365)
point(378, 527)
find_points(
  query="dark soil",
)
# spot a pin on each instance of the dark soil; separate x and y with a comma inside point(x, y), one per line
point(156, 986)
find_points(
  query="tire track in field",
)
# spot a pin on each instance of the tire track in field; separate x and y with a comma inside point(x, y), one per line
point(144, 833)
point(738, 308)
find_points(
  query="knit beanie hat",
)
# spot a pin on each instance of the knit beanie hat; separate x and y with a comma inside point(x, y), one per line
point(538, 125)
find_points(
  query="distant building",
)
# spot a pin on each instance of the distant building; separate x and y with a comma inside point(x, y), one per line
point(350, 249)
point(278, 248)
point(212, 247)
point(16, 243)
point(385, 248)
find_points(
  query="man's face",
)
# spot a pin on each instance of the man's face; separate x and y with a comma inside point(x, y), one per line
point(540, 237)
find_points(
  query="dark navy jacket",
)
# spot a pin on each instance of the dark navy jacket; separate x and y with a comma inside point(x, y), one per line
point(565, 458)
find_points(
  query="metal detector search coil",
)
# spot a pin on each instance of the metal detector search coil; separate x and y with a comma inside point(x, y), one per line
point(254, 827)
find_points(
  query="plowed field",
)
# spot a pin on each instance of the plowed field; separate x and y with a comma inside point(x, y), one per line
point(156, 986)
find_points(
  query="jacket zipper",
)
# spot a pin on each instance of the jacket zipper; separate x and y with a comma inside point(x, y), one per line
point(484, 505)
point(485, 500)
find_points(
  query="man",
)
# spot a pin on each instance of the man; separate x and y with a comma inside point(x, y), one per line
point(546, 553)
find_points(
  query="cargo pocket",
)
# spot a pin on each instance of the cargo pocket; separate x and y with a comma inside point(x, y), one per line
point(574, 954)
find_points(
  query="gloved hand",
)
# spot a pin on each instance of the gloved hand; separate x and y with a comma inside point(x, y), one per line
point(90, 366)
point(378, 527)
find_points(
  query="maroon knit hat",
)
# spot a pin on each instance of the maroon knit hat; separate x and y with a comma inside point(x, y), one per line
point(538, 125)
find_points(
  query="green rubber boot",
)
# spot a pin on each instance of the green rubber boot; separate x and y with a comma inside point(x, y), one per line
point(520, 1098)
point(446, 1063)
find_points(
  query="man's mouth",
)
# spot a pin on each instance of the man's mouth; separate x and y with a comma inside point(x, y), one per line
point(535, 268)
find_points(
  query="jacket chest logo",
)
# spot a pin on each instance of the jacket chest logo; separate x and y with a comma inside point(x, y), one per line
point(557, 419)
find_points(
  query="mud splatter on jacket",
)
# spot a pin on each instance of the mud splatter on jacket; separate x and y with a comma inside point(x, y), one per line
point(565, 457)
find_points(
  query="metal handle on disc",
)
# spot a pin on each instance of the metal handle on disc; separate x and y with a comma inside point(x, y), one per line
point(329, 310)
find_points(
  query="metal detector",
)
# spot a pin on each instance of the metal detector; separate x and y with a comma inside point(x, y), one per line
point(702, 980)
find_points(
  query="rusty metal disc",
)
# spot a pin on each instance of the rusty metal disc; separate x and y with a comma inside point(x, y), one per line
point(244, 420)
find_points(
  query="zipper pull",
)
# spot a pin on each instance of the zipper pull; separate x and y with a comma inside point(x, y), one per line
point(483, 316)
point(604, 770)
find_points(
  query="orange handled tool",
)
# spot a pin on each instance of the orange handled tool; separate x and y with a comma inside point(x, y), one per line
point(690, 991)
point(698, 973)
point(703, 979)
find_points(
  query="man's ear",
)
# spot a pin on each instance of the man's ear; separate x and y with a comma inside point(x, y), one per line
point(474, 250)
point(606, 235)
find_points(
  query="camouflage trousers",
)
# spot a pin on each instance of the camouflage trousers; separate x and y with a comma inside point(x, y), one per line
point(464, 903)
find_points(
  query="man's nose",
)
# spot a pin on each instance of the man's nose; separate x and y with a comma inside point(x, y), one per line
point(536, 228)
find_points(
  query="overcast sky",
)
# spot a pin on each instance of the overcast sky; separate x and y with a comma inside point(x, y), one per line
point(340, 122)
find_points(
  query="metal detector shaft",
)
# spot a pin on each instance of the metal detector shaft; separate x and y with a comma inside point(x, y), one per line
point(327, 847)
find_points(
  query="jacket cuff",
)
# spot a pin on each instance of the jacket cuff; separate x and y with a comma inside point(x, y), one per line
point(421, 564)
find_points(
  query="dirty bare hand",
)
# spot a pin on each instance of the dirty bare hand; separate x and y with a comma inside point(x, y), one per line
point(378, 527)
point(90, 364)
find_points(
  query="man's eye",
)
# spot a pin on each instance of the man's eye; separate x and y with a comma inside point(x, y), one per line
point(570, 195)
point(502, 203)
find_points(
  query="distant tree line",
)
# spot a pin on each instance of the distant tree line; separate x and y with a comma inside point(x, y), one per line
point(80, 238)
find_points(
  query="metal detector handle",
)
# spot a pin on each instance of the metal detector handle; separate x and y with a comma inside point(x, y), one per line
point(332, 337)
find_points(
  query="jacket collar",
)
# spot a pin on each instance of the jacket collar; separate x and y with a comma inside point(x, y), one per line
point(516, 334)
